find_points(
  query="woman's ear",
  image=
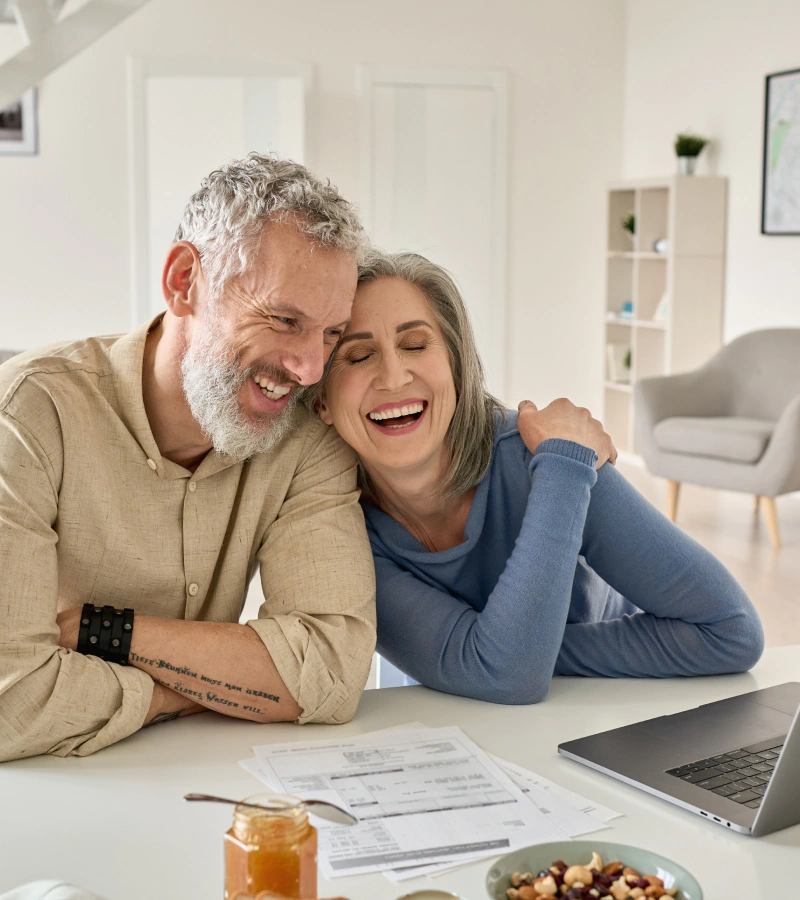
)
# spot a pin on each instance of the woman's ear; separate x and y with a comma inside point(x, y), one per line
point(322, 409)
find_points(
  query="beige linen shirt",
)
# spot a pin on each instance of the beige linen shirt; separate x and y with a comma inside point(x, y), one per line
point(91, 512)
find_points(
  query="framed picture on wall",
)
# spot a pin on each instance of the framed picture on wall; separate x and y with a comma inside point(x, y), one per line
point(18, 127)
point(780, 197)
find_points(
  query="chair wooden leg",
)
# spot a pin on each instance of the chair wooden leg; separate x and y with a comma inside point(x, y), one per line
point(673, 487)
point(771, 519)
point(756, 502)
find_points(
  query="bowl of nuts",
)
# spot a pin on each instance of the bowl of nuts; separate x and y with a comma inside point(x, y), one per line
point(592, 870)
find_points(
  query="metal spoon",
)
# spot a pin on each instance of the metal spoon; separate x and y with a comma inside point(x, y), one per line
point(320, 808)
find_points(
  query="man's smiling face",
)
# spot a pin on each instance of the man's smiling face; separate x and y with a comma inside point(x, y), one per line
point(270, 332)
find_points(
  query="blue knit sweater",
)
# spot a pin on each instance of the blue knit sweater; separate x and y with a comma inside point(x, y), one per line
point(563, 570)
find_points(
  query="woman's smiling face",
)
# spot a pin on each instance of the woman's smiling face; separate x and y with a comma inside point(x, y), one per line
point(390, 391)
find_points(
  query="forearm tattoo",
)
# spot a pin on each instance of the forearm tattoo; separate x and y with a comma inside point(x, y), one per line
point(204, 696)
point(164, 717)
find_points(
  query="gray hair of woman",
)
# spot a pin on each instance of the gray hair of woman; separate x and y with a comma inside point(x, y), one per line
point(224, 219)
point(470, 436)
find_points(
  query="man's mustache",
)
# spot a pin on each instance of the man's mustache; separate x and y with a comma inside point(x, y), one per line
point(273, 373)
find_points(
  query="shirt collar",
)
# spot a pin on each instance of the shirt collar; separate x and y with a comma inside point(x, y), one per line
point(126, 356)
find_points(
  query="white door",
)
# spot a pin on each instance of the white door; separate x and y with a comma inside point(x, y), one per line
point(186, 124)
point(435, 151)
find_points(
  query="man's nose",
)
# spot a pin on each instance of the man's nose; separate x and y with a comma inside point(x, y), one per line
point(305, 358)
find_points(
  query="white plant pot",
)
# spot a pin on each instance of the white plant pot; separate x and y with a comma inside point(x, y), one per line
point(686, 165)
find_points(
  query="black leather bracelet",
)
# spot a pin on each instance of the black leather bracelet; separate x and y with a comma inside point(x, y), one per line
point(83, 631)
point(127, 636)
point(104, 639)
point(106, 632)
point(114, 653)
point(95, 626)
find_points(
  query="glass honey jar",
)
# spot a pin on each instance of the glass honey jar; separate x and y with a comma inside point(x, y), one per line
point(272, 850)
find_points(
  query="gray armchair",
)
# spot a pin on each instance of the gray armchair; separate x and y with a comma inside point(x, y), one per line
point(732, 424)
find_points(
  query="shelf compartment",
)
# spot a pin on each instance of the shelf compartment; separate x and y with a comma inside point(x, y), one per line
point(651, 285)
point(618, 358)
point(620, 204)
point(652, 219)
point(619, 283)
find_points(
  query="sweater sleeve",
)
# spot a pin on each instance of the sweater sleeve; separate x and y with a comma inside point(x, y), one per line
point(695, 619)
point(505, 653)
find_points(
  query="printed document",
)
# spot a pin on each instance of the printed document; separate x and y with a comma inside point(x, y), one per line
point(422, 796)
point(570, 811)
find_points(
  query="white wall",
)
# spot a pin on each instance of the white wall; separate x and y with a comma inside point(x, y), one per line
point(64, 231)
point(701, 64)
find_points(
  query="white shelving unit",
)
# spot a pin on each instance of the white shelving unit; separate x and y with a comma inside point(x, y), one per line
point(690, 213)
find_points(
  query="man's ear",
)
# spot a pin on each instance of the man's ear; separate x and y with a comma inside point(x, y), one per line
point(181, 276)
point(322, 409)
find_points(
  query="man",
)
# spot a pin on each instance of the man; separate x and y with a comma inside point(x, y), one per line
point(156, 470)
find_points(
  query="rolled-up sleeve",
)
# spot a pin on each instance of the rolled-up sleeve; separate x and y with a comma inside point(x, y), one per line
point(52, 700)
point(318, 578)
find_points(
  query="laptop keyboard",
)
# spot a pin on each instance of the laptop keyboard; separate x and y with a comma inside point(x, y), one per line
point(740, 775)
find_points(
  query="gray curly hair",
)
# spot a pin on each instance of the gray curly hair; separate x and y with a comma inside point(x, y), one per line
point(225, 217)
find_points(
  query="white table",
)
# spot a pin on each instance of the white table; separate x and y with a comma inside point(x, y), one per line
point(115, 823)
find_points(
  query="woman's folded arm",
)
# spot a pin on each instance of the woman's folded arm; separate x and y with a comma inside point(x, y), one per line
point(695, 619)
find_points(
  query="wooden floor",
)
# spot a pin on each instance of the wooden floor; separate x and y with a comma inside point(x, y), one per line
point(726, 524)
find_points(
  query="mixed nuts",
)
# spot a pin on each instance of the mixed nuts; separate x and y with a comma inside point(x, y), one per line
point(588, 882)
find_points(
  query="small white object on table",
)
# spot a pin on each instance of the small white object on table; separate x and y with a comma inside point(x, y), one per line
point(115, 823)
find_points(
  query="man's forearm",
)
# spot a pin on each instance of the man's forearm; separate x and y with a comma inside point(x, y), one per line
point(167, 704)
point(218, 665)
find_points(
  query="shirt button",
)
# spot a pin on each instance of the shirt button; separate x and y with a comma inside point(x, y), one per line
point(193, 589)
point(152, 464)
point(192, 486)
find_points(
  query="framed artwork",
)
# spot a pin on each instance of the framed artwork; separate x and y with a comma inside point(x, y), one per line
point(18, 127)
point(780, 197)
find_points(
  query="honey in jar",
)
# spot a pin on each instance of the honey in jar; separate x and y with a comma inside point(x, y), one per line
point(271, 850)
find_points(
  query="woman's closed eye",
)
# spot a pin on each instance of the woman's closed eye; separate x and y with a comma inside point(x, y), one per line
point(356, 355)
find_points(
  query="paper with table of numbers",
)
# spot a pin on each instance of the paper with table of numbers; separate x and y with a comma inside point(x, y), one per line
point(421, 796)
point(573, 814)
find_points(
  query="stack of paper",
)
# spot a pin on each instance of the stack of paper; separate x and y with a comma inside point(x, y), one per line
point(427, 799)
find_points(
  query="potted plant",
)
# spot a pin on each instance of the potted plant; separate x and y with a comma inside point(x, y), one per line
point(629, 225)
point(688, 147)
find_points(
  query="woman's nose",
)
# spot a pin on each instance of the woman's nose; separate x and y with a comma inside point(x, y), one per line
point(393, 374)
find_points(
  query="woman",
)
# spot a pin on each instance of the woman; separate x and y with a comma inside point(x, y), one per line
point(506, 549)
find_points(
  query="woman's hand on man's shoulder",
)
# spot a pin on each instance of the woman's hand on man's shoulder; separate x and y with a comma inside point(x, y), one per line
point(562, 419)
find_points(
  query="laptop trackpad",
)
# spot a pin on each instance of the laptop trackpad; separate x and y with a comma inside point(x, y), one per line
point(717, 727)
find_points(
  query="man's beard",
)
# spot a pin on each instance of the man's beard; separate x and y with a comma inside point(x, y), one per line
point(211, 381)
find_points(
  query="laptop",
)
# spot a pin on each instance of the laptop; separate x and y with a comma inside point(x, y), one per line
point(736, 762)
